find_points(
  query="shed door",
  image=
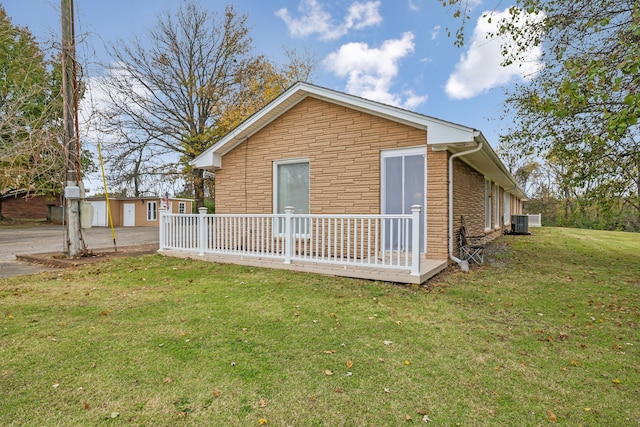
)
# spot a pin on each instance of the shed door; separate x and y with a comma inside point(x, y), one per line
point(99, 214)
point(129, 219)
point(403, 185)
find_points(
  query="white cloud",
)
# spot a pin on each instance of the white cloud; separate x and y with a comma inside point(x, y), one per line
point(479, 68)
point(435, 32)
point(314, 19)
point(370, 72)
point(413, 6)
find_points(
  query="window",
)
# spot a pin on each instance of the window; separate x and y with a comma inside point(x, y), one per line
point(403, 185)
point(291, 181)
point(487, 204)
point(182, 207)
point(291, 188)
point(506, 205)
point(152, 211)
point(496, 206)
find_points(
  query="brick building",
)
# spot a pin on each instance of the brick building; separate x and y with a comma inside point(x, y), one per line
point(326, 152)
point(21, 205)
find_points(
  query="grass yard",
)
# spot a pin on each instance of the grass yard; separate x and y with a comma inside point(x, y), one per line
point(546, 332)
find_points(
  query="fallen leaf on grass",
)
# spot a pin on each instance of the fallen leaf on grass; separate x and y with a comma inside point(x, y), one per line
point(85, 405)
point(407, 417)
point(216, 393)
point(262, 403)
point(339, 390)
point(616, 381)
point(349, 364)
point(328, 351)
point(262, 421)
point(552, 416)
point(328, 372)
point(387, 342)
point(167, 380)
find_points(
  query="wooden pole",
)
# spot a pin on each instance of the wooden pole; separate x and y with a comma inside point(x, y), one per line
point(74, 244)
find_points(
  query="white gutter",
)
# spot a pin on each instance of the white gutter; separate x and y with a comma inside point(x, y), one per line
point(464, 265)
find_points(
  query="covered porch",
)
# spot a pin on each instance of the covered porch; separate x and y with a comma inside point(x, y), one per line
point(375, 247)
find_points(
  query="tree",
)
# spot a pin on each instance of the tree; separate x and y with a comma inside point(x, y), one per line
point(582, 108)
point(186, 85)
point(31, 156)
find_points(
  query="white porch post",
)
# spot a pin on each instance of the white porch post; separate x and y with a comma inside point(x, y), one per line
point(161, 231)
point(416, 231)
point(202, 230)
point(288, 234)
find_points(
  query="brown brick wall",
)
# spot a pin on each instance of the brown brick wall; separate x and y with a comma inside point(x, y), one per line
point(437, 205)
point(343, 147)
point(468, 199)
point(29, 208)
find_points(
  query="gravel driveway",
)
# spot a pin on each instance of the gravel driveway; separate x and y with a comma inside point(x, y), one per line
point(49, 238)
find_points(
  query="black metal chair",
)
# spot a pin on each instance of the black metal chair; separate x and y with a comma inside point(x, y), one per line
point(471, 247)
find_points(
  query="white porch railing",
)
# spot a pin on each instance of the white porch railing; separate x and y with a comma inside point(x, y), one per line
point(381, 241)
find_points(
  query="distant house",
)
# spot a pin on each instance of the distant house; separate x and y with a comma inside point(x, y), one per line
point(135, 211)
point(19, 204)
point(328, 153)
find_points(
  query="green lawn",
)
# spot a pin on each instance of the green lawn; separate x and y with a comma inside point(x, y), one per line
point(546, 331)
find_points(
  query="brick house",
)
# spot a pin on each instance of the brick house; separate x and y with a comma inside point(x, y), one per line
point(326, 152)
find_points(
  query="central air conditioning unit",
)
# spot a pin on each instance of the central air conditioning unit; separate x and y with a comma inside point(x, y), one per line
point(520, 224)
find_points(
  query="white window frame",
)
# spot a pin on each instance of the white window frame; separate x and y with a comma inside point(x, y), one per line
point(152, 213)
point(276, 164)
point(506, 208)
point(487, 204)
point(407, 151)
point(496, 206)
point(182, 207)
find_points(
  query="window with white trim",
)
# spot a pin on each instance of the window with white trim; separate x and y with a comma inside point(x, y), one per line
point(152, 211)
point(487, 204)
point(291, 188)
point(506, 205)
point(496, 206)
point(182, 207)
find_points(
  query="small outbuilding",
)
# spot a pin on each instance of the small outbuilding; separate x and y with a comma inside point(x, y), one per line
point(135, 211)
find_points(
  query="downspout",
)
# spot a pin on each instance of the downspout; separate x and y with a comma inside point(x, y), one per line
point(463, 264)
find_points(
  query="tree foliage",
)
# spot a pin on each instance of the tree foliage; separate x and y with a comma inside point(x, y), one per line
point(181, 88)
point(581, 109)
point(31, 156)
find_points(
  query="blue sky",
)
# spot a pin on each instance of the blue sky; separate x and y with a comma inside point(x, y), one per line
point(392, 51)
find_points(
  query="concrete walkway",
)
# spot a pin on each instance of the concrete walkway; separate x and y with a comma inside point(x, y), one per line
point(50, 238)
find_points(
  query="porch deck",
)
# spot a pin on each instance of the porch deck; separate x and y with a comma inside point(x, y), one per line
point(428, 268)
point(375, 247)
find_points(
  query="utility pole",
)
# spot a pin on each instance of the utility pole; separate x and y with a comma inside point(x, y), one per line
point(74, 244)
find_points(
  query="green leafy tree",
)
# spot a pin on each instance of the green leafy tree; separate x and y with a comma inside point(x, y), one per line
point(582, 107)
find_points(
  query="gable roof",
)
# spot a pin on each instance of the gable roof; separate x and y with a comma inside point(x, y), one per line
point(447, 135)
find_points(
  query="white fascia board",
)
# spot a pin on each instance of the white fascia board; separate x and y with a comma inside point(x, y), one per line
point(208, 160)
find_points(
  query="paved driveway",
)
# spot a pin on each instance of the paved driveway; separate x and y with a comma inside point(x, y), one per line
point(49, 238)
